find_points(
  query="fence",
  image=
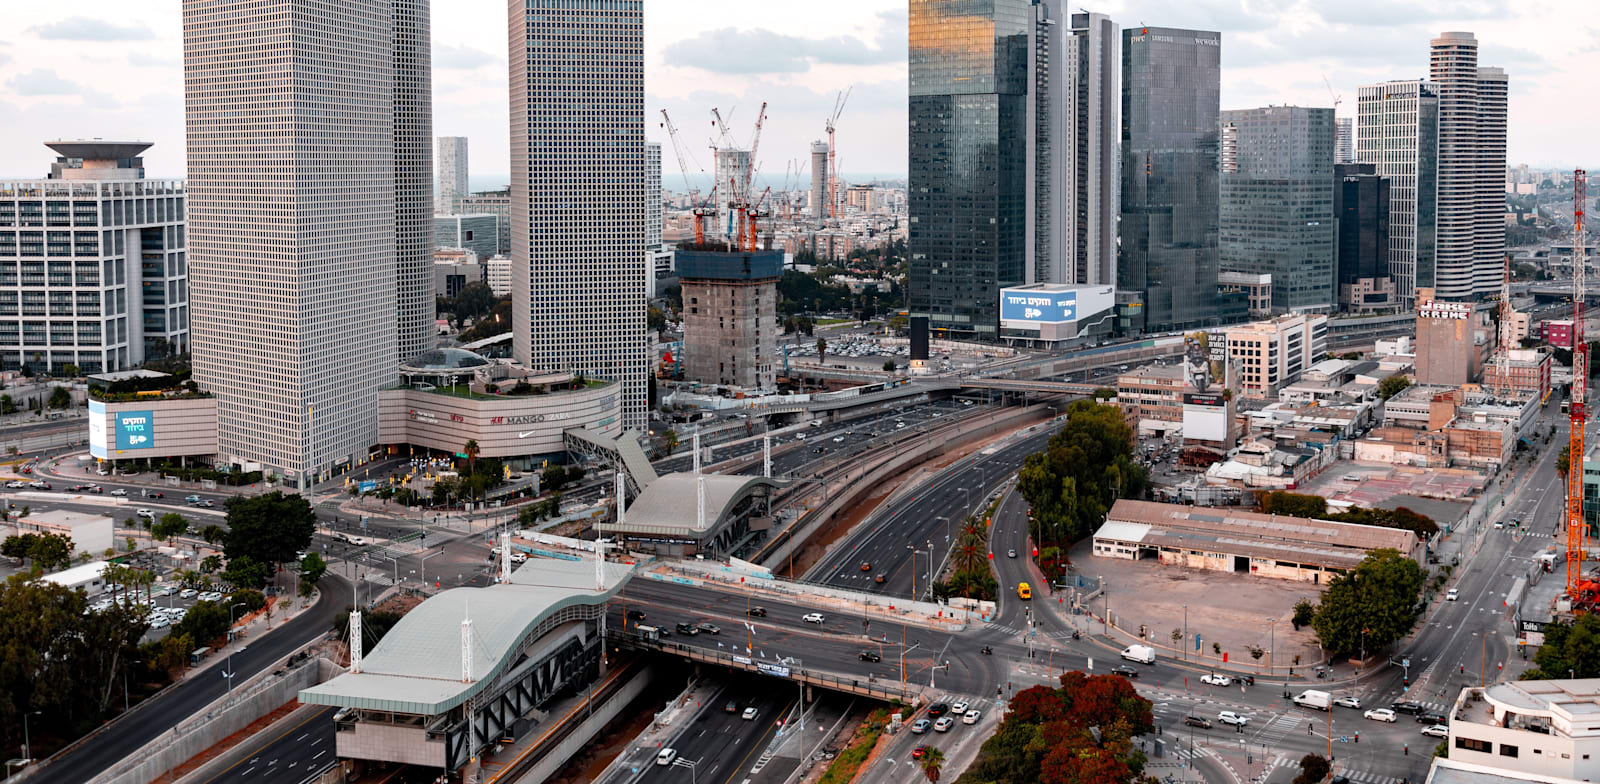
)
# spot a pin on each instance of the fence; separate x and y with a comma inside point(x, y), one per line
point(870, 687)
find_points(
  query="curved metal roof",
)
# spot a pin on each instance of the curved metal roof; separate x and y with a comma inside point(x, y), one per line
point(441, 360)
point(668, 505)
point(416, 669)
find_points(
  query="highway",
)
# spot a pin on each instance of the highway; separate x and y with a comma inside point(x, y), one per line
point(286, 754)
point(720, 745)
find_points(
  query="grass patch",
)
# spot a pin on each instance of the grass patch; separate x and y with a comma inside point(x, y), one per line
point(844, 766)
point(823, 322)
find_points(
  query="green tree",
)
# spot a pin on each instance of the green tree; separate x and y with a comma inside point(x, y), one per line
point(269, 529)
point(17, 546)
point(1291, 504)
point(204, 623)
point(312, 567)
point(245, 572)
point(1304, 612)
point(822, 349)
point(1313, 768)
point(210, 564)
point(1392, 386)
point(213, 533)
point(1105, 393)
point(71, 371)
point(171, 524)
point(1564, 460)
point(932, 763)
point(553, 478)
point(251, 598)
point(60, 398)
point(7, 405)
point(1378, 596)
point(671, 439)
point(655, 320)
point(475, 300)
point(1087, 466)
point(50, 552)
point(1570, 650)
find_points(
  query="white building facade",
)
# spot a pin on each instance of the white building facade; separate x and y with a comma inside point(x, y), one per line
point(1472, 165)
point(452, 172)
point(1397, 129)
point(412, 89)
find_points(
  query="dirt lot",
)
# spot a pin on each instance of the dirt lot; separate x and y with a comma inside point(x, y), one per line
point(1225, 608)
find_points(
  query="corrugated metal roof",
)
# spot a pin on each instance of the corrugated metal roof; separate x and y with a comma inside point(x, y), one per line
point(1122, 532)
point(668, 505)
point(1323, 542)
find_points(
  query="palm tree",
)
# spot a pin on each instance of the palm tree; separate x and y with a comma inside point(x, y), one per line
point(822, 349)
point(671, 437)
point(932, 761)
point(471, 451)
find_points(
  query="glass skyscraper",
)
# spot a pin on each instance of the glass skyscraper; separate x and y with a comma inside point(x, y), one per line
point(1171, 92)
point(969, 71)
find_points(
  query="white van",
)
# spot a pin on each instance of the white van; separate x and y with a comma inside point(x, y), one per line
point(1142, 654)
point(666, 756)
point(1311, 698)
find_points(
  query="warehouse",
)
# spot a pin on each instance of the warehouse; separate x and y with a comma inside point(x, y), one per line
point(1228, 540)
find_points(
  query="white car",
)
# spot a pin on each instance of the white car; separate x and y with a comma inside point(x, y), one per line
point(1234, 719)
point(813, 618)
point(118, 491)
point(159, 622)
point(958, 708)
point(15, 485)
point(188, 593)
point(801, 436)
point(1452, 594)
point(749, 713)
point(666, 756)
point(1380, 714)
point(146, 514)
point(519, 557)
point(944, 724)
point(1348, 702)
point(1216, 680)
point(838, 439)
point(971, 717)
point(1436, 731)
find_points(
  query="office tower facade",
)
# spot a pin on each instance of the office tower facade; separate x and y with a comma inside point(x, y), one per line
point(92, 263)
point(466, 231)
point(497, 203)
point(967, 202)
point(1472, 164)
point(413, 174)
point(1276, 215)
point(577, 191)
point(819, 180)
point(1171, 89)
point(1397, 130)
point(453, 171)
point(657, 257)
point(1071, 149)
point(292, 226)
point(1345, 131)
point(1361, 206)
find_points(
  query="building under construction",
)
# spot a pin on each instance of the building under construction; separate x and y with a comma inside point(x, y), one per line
point(730, 310)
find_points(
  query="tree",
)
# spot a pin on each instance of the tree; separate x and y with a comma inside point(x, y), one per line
point(1080, 733)
point(1304, 611)
point(312, 567)
point(251, 598)
point(822, 349)
point(1087, 466)
point(553, 478)
point(210, 564)
point(889, 365)
point(205, 621)
point(471, 450)
point(671, 439)
point(213, 533)
point(1105, 393)
point(655, 320)
point(1564, 460)
point(71, 371)
point(1392, 386)
point(60, 398)
point(1569, 650)
point(1313, 768)
point(270, 528)
point(7, 405)
point(1291, 504)
point(245, 572)
point(171, 524)
point(46, 552)
point(1378, 597)
point(932, 763)
point(473, 301)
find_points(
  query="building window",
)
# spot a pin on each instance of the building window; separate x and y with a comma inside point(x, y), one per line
point(1473, 745)
point(1507, 750)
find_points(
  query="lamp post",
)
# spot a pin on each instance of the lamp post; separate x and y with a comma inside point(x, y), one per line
point(903, 651)
point(944, 666)
point(425, 566)
point(229, 673)
point(1186, 631)
point(1272, 636)
point(27, 746)
point(683, 763)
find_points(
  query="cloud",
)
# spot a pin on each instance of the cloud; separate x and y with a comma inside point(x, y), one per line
point(82, 28)
point(463, 58)
point(1226, 16)
point(760, 51)
point(1389, 13)
point(144, 60)
point(4, 58)
point(41, 81)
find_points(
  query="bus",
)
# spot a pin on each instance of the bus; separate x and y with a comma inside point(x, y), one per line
point(1023, 591)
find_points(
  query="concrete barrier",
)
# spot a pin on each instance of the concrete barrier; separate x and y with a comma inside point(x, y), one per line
point(585, 732)
point(761, 581)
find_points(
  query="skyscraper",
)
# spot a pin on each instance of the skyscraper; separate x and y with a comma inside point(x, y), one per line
point(291, 111)
point(453, 170)
point(1346, 133)
point(657, 257)
point(413, 169)
point(1472, 164)
point(819, 180)
point(969, 72)
point(577, 191)
point(1361, 203)
point(1276, 215)
point(1397, 130)
point(1171, 88)
point(1071, 149)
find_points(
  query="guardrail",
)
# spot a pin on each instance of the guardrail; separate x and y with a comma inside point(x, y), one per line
point(870, 687)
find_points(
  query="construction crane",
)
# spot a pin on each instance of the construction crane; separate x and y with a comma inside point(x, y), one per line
point(1578, 400)
point(1336, 98)
point(699, 205)
point(1502, 385)
point(833, 153)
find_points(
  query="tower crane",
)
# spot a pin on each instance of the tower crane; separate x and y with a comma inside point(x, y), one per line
point(833, 153)
point(1336, 98)
point(1578, 398)
point(699, 205)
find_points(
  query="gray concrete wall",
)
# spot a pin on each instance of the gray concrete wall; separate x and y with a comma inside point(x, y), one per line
point(585, 732)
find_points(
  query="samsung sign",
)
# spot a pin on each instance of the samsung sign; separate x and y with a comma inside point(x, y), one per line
point(1033, 305)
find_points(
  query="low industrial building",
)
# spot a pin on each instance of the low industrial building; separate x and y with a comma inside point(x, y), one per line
point(1152, 396)
point(90, 577)
point(687, 514)
point(1226, 540)
point(90, 533)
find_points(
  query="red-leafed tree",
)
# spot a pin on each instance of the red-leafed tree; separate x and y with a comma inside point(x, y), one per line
point(1036, 705)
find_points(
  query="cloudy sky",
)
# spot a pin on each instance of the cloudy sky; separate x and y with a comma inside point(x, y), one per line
point(109, 68)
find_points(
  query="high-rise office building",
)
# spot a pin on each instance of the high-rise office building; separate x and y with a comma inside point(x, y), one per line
point(1361, 204)
point(819, 180)
point(1071, 147)
point(969, 73)
point(657, 257)
point(413, 170)
point(1397, 130)
point(577, 191)
point(1276, 215)
point(497, 203)
point(1171, 89)
point(293, 229)
point(453, 171)
point(1472, 164)
point(92, 268)
point(1346, 133)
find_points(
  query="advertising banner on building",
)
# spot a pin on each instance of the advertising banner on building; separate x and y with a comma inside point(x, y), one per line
point(136, 430)
point(1038, 307)
point(97, 429)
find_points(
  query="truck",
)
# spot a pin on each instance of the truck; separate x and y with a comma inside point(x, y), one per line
point(648, 633)
point(1142, 654)
point(1311, 698)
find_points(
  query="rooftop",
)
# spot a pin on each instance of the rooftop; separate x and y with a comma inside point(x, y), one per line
point(98, 149)
point(669, 504)
point(1324, 542)
point(1163, 372)
point(77, 574)
point(63, 518)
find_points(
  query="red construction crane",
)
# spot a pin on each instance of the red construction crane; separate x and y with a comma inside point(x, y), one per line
point(833, 153)
point(700, 210)
point(1578, 399)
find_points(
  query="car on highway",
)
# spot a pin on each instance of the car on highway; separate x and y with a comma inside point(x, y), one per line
point(205, 502)
point(920, 726)
point(15, 484)
point(688, 628)
point(666, 756)
point(938, 709)
point(1011, 553)
point(866, 566)
point(146, 514)
point(1215, 679)
point(749, 713)
point(880, 578)
point(944, 724)
point(708, 628)
point(1125, 671)
point(1406, 707)
point(193, 499)
point(119, 491)
point(919, 752)
point(1197, 721)
point(1436, 731)
point(636, 615)
point(1233, 719)
point(838, 439)
point(757, 612)
point(730, 707)
point(971, 717)
point(1348, 702)
point(869, 656)
point(1452, 594)
point(39, 485)
point(815, 617)
point(1380, 714)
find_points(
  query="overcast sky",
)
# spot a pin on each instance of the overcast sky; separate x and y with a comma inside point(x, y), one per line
point(113, 69)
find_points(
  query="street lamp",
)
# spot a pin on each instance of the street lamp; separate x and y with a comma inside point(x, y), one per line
point(27, 747)
point(1272, 632)
point(424, 562)
point(229, 673)
point(944, 666)
point(903, 652)
point(683, 763)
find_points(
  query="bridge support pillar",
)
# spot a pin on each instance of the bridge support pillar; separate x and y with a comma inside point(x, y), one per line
point(808, 695)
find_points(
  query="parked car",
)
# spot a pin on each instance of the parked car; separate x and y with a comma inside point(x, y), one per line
point(1216, 680)
point(188, 593)
point(1436, 731)
point(1381, 714)
point(1197, 721)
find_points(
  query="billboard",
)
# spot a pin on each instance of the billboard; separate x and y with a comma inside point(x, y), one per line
point(97, 429)
point(1033, 305)
point(136, 429)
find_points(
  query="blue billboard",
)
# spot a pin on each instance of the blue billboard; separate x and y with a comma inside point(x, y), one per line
point(136, 430)
point(1038, 306)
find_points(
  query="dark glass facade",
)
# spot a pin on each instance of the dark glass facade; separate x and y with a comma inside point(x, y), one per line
point(1361, 199)
point(1171, 92)
point(968, 112)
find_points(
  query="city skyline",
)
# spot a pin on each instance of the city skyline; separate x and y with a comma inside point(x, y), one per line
point(79, 71)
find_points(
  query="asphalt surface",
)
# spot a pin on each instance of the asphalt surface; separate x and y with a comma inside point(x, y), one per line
point(721, 745)
point(160, 713)
point(288, 754)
